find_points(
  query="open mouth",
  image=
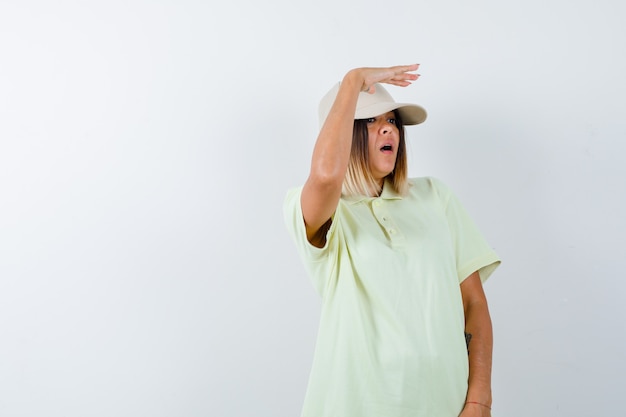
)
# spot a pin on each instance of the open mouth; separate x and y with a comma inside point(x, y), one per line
point(386, 148)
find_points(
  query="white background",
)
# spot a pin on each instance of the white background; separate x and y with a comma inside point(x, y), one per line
point(146, 146)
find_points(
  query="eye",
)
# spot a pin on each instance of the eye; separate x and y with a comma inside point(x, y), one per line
point(392, 121)
point(370, 120)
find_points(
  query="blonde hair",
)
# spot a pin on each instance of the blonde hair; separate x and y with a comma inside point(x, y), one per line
point(359, 180)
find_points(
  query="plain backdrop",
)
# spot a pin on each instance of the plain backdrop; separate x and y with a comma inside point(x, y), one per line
point(146, 147)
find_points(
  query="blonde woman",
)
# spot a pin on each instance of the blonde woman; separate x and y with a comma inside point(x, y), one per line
point(405, 329)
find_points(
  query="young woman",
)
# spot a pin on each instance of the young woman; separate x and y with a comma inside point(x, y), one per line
point(405, 329)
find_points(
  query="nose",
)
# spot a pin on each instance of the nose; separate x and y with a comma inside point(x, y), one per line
point(385, 127)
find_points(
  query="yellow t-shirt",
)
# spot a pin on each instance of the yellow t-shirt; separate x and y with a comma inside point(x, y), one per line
point(391, 336)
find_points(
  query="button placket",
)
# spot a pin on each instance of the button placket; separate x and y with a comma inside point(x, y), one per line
point(384, 219)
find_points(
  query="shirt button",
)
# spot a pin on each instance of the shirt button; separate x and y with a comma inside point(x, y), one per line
point(392, 231)
point(384, 219)
point(377, 203)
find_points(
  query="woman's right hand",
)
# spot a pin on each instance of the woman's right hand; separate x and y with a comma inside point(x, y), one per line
point(400, 75)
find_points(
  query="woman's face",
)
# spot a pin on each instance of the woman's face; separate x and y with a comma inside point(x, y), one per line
point(383, 143)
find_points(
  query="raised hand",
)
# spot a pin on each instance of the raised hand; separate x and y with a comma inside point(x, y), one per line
point(400, 75)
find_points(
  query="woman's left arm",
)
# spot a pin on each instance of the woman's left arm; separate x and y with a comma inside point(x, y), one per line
point(480, 345)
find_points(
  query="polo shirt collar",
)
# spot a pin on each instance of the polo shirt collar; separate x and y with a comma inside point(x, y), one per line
point(388, 193)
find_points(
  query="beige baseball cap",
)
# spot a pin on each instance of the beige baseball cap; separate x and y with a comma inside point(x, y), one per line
point(371, 105)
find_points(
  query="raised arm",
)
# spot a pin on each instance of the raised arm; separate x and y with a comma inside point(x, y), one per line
point(331, 154)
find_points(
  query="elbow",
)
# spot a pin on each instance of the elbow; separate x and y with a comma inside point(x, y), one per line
point(325, 186)
point(327, 177)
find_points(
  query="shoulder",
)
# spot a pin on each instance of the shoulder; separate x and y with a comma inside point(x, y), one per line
point(428, 185)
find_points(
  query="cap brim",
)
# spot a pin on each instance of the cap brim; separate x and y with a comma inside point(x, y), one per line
point(411, 114)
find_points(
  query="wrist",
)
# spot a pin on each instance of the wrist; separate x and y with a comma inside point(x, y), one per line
point(354, 79)
point(479, 392)
point(478, 405)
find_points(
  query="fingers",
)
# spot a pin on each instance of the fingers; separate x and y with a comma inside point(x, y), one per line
point(404, 73)
point(401, 75)
point(400, 69)
point(405, 81)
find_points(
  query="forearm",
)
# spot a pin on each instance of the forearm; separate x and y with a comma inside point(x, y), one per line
point(329, 163)
point(478, 324)
point(332, 148)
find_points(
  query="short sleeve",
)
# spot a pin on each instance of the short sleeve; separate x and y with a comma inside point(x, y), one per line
point(472, 252)
point(314, 258)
